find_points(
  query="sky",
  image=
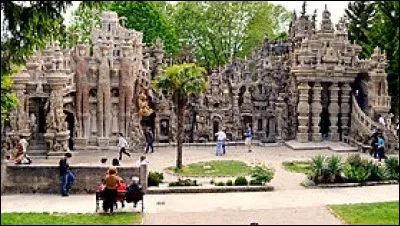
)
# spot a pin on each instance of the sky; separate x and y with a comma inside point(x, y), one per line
point(335, 7)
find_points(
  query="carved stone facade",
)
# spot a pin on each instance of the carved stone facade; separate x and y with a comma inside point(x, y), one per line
point(297, 90)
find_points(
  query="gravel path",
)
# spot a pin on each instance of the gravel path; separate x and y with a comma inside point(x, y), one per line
point(290, 203)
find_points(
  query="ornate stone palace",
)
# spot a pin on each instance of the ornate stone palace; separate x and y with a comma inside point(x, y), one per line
point(303, 90)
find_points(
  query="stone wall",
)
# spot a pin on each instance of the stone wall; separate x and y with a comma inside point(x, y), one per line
point(46, 179)
point(3, 175)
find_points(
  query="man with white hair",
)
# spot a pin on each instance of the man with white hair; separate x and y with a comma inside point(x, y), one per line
point(135, 192)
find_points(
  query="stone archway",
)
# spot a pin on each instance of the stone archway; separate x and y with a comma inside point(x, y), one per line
point(70, 119)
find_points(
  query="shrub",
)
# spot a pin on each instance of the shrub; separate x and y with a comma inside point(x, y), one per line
point(255, 182)
point(212, 181)
point(392, 168)
point(356, 161)
point(376, 173)
point(356, 174)
point(180, 182)
point(334, 168)
point(318, 168)
point(155, 178)
point(307, 183)
point(262, 174)
point(221, 183)
point(229, 183)
point(239, 181)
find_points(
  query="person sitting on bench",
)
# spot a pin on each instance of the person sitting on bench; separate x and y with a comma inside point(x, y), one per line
point(135, 192)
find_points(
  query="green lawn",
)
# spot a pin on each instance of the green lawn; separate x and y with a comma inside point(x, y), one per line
point(214, 168)
point(298, 166)
point(383, 213)
point(70, 219)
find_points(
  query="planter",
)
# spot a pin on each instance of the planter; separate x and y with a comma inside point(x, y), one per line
point(208, 189)
point(346, 185)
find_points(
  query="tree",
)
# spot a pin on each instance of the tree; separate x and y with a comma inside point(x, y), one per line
point(181, 81)
point(220, 30)
point(149, 18)
point(27, 26)
point(361, 15)
point(85, 19)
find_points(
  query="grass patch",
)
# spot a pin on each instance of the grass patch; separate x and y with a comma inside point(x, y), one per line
point(214, 168)
point(383, 213)
point(298, 166)
point(70, 219)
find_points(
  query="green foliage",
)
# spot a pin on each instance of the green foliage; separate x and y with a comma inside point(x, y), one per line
point(214, 168)
point(255, 182)
point(229, 183)
point(356, 160)
point(334, 168)
point(27, 26)
point(215, 35)
point(118, 218)
point(298, 166)
point(241, 181)
point(376, 173)
point(155, 178)
point(377, 24)
point(186, 182)
point(212, 181)
point(151, 19)
point(221, 183)
point(317, 168)
point(262, 174)
point(356, 174)
point(181, 81)
point(392, 167)
point(384, 213)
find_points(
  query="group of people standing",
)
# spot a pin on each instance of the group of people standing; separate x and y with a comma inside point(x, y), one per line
point(221, 139)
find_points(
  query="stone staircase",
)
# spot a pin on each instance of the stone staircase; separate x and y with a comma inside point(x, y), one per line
point(37, 147)
point(362, 128)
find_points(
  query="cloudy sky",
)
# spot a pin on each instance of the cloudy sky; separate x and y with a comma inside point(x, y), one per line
point(335, 7)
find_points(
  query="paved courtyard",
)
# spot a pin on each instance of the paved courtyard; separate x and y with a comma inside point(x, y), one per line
point(290, 203)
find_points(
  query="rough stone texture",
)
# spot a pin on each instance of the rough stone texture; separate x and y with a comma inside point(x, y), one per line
point(46, 179)
point(277, 90)
point(3, 175)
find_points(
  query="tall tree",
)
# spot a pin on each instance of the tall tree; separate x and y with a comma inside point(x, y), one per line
point(223, 29)
point(181, 81)
point(151, 19)
point(27, 26)
point(360, 16)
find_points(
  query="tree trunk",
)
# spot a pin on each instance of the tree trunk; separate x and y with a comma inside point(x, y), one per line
point(179, 134)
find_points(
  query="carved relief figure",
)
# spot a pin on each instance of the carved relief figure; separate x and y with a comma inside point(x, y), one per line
point(103, 92)
point(82, 90)
point(126, 82)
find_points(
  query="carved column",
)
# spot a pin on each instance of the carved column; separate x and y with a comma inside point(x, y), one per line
point(303, 109)
point(21, 113)
point(316, 109)
point(345, 108)
point(334, 112)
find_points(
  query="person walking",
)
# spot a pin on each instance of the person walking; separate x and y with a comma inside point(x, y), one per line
point(149, 140)
point(122, 145)
point(381, 147)
point(374, 144)
point(220, 141)
point(67, 178)
point(224, 145)
point(248, 135)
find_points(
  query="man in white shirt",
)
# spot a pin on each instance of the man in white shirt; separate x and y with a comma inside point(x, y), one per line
point(24, 144)
point(122, 145)
point(382, 121)
point(221, 140)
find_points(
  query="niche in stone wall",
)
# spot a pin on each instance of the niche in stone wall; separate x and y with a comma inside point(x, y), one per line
point(164, 131)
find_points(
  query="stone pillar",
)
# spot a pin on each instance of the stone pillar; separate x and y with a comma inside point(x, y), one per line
point(303, 109)
point(334, 112)
point(21, 113)
point(316, 109)
point(345, 108)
